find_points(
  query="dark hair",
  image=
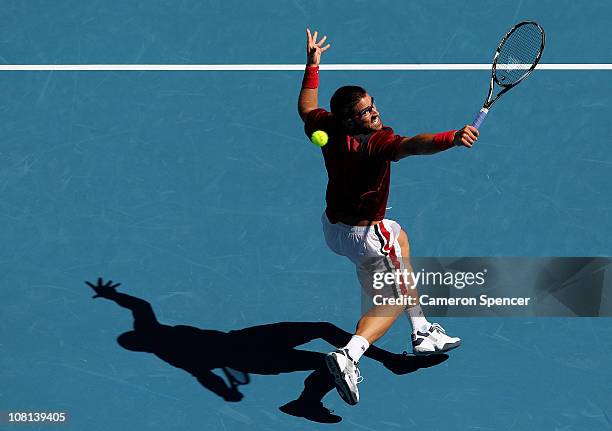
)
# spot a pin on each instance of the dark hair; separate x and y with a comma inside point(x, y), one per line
point(135, 341)
point(344, 99)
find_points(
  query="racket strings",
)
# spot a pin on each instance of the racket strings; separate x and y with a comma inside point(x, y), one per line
point(240, 377)
point(518, 54)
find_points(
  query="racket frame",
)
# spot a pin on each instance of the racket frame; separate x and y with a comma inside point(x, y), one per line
point(505, 87)
point(233, 381)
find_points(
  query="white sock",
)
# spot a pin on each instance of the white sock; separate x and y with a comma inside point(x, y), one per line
point(357, 347)
point(417, 319)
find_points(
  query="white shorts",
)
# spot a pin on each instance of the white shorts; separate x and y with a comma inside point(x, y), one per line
point(373, 249)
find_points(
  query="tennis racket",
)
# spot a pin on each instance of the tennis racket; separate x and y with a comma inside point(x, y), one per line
point(516, 57)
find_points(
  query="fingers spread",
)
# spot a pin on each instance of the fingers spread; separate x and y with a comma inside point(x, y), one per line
point(319, 43)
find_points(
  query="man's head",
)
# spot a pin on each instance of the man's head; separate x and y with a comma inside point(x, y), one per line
point(136, 341)
point(356, 110)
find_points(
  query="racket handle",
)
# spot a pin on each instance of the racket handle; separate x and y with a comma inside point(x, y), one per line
point(480, 117)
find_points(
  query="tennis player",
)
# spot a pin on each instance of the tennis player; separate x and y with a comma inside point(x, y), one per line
point(358, 159)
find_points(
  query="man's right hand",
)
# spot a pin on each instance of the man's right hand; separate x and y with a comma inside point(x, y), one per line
point(314, 49)
point(104, 290)
point(466, 136)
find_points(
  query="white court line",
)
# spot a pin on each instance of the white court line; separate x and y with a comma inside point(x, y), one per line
point(282, 67)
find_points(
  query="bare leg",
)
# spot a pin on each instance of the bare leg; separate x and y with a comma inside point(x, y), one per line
point(377, 321)
point(414, 313)
point(402, 239)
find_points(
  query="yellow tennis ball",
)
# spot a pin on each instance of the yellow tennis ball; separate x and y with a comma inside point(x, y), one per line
point(319, 138)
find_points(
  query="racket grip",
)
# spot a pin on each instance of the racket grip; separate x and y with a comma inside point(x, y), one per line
point(480, 117)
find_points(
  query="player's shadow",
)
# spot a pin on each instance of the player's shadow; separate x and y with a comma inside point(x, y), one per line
point(264, 349)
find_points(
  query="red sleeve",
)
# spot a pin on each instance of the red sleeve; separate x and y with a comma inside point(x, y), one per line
point(384, 144)
point(317, 119)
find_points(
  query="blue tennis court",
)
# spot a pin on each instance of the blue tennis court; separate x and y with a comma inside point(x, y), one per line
point(199, 192)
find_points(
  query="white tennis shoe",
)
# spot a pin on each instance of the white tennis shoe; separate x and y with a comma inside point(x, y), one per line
point(346, 375)
point(433, 340)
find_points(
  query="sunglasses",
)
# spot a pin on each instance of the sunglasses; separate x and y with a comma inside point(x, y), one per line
point(366, 111)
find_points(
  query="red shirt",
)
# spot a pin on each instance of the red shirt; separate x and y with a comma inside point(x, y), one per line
point(358, 167)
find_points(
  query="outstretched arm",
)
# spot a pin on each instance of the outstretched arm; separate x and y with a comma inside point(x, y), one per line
point(434, 143)
point(141, 309)
point(308, 99)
